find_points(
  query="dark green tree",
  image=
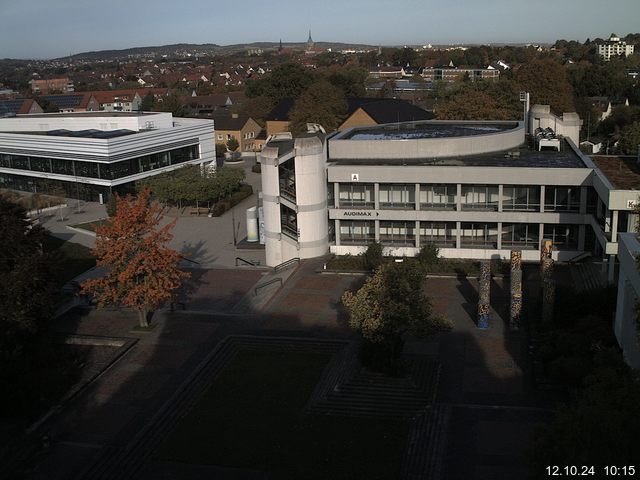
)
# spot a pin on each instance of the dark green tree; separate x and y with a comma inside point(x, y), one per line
point(321, 103)
point(389, 305)
point(286, 80)
point(27, 289)
point(546, 80)
point(372, 257)
point(148, 103)
point(232, 144)
point(630, 139)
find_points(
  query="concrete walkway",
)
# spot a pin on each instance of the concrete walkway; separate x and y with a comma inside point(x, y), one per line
point(209, 242)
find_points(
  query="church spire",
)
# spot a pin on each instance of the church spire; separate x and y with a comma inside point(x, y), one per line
point(310, 43)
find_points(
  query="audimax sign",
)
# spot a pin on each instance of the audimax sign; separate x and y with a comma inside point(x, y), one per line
point(360, 213)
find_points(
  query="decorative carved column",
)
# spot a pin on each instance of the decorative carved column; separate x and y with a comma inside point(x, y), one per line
point(516, 290)
point(548, 284)
point(485, 294)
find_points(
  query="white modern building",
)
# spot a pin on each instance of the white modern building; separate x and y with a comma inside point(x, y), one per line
point(627, 326)
point(474, 189)
point(90, 155)
point(614, 47)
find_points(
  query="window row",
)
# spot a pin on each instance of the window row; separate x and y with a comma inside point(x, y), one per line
point(473, 197)
point(444, 234)
point(107, 171)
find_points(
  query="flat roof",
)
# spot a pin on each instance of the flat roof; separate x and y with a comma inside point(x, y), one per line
point(100, 113)
point(622, 172)
point(522, 157)
point(408, 130)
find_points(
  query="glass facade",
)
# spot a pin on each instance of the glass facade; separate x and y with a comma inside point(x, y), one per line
point(479, 197)
point(440, 234)
point(358, 195)
point(561, 199)
point(438, 196)
point(400, 234)
point(106, 171)
point(397, 195)
point(289, 222)
point(357, 232)
point(563, 237)
point(521, 198)
point(479, 235)
point(520, 235)
point(287, 179)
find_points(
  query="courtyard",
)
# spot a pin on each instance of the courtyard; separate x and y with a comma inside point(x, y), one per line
point(190, 399)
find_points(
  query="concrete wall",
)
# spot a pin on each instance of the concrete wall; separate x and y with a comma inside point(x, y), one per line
point(568, 125)
point(626, 326)
point(79, 121)
point(344, 148)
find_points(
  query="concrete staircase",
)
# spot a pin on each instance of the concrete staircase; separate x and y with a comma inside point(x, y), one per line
point(587, 276)
point(427, 444)
point(369, 394)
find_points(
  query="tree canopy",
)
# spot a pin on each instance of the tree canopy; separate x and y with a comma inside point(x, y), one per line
point(192, 184)
point(389, 304)
point(546, 80)
point(142, 272)
point(630, 139)
point(27, 288)
point(481, 100)
point(321, 103)
point(286, 80)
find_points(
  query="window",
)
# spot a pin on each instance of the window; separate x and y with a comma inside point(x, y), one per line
point(398, 233)
point(220, 137)
point(562, 199)
point(289, 222)
point(521, 198)
point(358, 195)
point(356, 232)
point(287, 179)
point(563, 237)
point(480, 197)
point(479, 235)
point(397, 196)
point(520, 235)
point(438, 196)
point(440, 234)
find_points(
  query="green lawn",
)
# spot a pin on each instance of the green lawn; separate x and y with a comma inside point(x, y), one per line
point(252, 417)
point(74, 259)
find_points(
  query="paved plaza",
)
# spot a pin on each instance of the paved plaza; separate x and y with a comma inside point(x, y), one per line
point(485, 407)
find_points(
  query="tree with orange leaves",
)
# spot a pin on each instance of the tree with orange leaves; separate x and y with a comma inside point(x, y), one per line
point(142, 272)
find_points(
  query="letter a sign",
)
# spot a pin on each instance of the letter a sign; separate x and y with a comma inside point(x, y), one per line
point(355, 177)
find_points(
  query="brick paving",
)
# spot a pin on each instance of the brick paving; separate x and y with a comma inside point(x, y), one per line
point(484, 374)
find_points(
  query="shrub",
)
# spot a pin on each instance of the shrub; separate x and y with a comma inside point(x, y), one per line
point(256, 168)
point(428, 255)
point(373, 258)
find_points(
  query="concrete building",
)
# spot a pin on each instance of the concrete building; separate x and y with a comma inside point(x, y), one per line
point(614, 47)
point(294, 196)
point(90, 155)
point(626, 326)
point(474, 189)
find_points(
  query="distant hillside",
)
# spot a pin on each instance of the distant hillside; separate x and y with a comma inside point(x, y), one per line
point(182, 49)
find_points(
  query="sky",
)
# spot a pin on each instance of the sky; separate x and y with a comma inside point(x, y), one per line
point(54, 28)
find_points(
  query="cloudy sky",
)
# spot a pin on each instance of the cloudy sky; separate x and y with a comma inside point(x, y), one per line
point(54, 28)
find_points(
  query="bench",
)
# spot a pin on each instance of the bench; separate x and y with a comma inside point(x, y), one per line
point(198, 211)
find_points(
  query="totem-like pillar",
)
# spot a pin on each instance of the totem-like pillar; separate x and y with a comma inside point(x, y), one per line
point(485, 294)
point(548, 290)
point(516, 290)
